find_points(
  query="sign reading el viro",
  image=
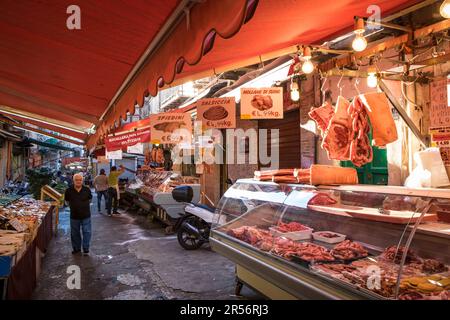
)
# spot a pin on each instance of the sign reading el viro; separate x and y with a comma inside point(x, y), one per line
point(219, 113)
point(262, 103)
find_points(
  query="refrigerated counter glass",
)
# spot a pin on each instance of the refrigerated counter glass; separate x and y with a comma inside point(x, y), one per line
point(336, 242)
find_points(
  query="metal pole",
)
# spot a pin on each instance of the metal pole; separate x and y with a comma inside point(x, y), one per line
point(424, 140)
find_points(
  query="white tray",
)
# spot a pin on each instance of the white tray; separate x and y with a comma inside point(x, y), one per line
point(296, 235)
point(318, 237)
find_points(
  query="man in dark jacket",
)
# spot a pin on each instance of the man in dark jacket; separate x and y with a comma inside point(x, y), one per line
point(79, 197)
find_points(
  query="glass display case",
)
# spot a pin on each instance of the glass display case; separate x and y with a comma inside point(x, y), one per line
point(336, 242)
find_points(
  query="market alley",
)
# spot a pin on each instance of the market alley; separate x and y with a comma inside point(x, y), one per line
point(132, 258)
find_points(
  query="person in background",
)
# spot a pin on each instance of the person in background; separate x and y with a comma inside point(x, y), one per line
point(113, 189)
point(59, 177)
point(101, 187)
point(69, 179)
point(88, 179)
point(168, 163)
point(79, 197)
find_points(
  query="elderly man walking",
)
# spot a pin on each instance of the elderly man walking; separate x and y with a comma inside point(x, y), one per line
point(79, 197)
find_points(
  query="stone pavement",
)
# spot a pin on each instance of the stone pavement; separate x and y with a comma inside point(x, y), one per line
point(132, 258)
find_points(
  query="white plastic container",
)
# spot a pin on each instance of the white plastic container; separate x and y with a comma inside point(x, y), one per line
point(296, 235)
point(318, 236)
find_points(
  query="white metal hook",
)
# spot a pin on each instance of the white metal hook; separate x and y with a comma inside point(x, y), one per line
point(356, 86)
point(323, 85)
point(339, 82)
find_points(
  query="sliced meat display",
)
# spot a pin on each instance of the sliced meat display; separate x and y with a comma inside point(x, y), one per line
point(291, 227)
point(360, 149)
point(348, 250)
point(338, 133)
point(395, 254)
point(313, 252)
point(322, 116)
point(322, 199)
point(252, 235)
point(379, 111)
point(433, 266)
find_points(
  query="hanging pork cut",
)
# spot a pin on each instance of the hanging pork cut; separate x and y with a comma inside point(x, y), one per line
point(322, 116)
point(360, 149)
point(337, 136)
point(380, 115)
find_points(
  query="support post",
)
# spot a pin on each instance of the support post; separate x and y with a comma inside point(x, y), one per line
point(424, 139)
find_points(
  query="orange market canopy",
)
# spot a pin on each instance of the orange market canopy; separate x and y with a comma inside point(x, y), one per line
point(128, 49)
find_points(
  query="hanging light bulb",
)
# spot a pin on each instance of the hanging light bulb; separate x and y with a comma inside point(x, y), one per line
point(307, 66)
point(372, 80)
point(295, 93)
point(359, 43)
point(444, 10)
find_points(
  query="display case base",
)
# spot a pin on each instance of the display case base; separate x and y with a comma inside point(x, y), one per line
point(260, 285)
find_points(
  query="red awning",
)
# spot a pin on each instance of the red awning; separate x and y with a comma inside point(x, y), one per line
point(238, 35)
point(73, 75)
point(66, 131)
point(136, 125)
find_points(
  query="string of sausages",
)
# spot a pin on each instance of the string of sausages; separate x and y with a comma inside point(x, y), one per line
point(284, 175)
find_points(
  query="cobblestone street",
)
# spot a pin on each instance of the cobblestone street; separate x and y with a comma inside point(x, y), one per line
point(132, 258)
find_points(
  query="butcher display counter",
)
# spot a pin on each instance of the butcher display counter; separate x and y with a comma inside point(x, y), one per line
point(292, 241)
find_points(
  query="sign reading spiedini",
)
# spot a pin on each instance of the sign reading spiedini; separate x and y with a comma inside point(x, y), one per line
point(171, 128)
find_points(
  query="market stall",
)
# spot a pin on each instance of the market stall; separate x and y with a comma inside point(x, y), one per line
point(152, 191)
point(298, 241)
point(25, 232)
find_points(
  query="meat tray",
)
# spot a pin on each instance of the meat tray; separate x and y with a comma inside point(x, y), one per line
point(295, 235)
point(308, 263)
point(318, 237)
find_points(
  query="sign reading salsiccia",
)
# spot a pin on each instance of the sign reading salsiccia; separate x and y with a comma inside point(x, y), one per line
point(219, 113)
point(171, 128)
point(262, 103)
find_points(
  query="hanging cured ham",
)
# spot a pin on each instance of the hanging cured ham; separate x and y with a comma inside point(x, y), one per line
point(338, 133)
point(380, 115)
point(322, 174)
